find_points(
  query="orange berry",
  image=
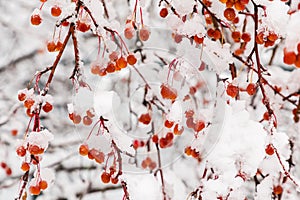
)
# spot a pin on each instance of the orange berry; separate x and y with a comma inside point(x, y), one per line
point(105, 177)
point(131, 59)
point(232, 90)
point(169, 136)
point(55, 11)
point(236, 36)
point(95, 69)
point(135, 144)
point(34, 149)
point(178, 131)
point(198, 40)
point(238, 6)
point(51, 46)
point(169, 124)
point(229, 14)
point(289, 57)
point(167, 92)
point(82, 26)
point(29, 113)
point(114, 180)
point(121, 62)
point(21, 151)
point(36, 19)
point(43, 185)
point(272, 37)
point(266, 116)
point(87, 120)
point(25, 166)
point(251, 89)
point(99, 157)
point(34, 190)
point(110, 68)
point(76, 118)
point(163, 12)
point(83, 149)
point(297, 62)
point(28, 103)
point(277, 190)
point(8, 171)
point(58, 46)
point(246, 37)
point(129, 33)
point(260, 38)
point(188, 151)
point(152, 165)
point(199, 125)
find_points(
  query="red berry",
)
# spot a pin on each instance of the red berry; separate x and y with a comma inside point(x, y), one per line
point(199, 125)
point(51, 46)
point(43, 184)
point(229, 14)
point(83, 26)
point(129, 33)
point(169, 136)
point(251, 89)
point(277, 190)
point(272, 36)
point(155, 139)
point(297, 62)
point(21, 96)
point(246, 37)
point(110, 68)
point(163, 12)
point(198, 40)
point(131, 59)
point(289, 57)
point(76, 118)
point(14, 132)
point(114, 180)
point(34, 190)
point(169, 124)
point(3, 165)
point(47, 107)
point(21, 151)
point(135, 144)
point(269, 149)
point(87, 120)
point(55, 11)
point(105, 177)
point(25, 166)
point(232, 90)
point(144, 34)
point(83, 149)
point(167, 92)
point(266, 116)
point(59, 46)
point(99, 157)
point(236, 36)
point(28, 103)
point(36, 19)
point(145, 118)
point(188, 150)
point(35, 149)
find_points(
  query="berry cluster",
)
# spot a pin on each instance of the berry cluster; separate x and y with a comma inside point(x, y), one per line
point(6, 168)
point(137, 144)
point(192, 152)
point(87, 118)
point(93, 154)
point(267, 38)
point(192, 123)
point(36, 18)
point(239, 5)
point(36, 189)
point(108, 177)
point(31, 101)
point(148, 163)
point(291, 58)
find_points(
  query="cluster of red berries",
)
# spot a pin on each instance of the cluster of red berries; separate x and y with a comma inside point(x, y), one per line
point(6, 168)
point(36, 189)
point(35, 152)
point(29, 101)
point(196, 125)
point(54, 46)
point(167, 92)
point(137, 144)
point(267, 40)
point(163, 142)
point(129, 31)
point(148, 163)
point(239, 5)
point(291, 58)
point(192, 152)
point(244, 38)
point(177, 130)
point(87, 119)
point(108, 177)
point(214, 33)
point(93, 154)
point(115, 64)
point(36, 18)
point(233, 90)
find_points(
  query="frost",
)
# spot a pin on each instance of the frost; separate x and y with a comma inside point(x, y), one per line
point(183, 7)
point(41, 138)
point(104, 101)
